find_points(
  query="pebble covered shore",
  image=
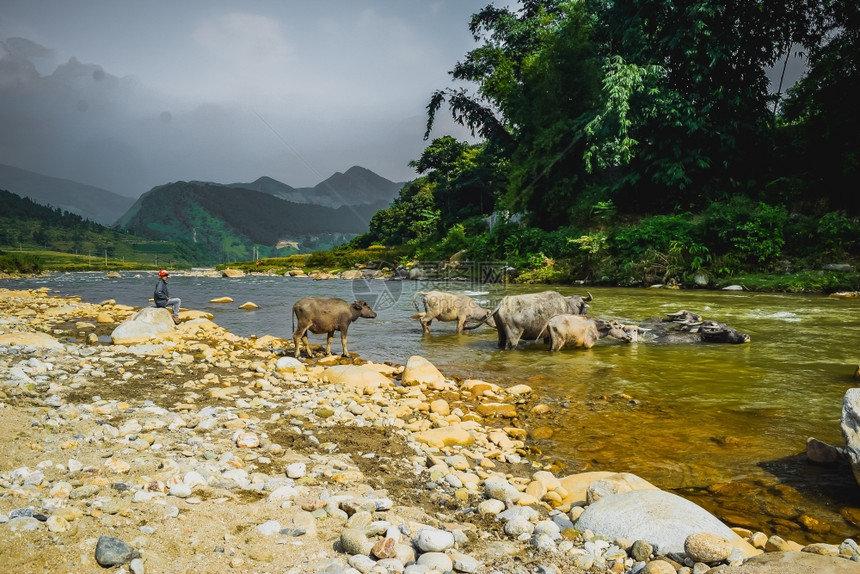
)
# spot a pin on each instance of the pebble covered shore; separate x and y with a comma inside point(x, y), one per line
point(133, 445)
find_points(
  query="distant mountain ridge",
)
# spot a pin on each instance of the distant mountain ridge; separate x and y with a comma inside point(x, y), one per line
point(234, 223)
point(357, 186)
point(90, 202)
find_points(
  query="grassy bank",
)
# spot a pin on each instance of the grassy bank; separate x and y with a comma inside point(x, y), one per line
point(548, 272)
point(33, 261)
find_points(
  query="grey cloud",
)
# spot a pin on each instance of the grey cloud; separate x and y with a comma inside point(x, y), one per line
point(329, 88)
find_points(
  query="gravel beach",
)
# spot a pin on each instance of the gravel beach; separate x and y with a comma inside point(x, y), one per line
point(131, 444)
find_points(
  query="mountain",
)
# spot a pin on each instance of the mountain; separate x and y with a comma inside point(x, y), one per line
point(93, 203)
point(358, 186)
point(233, 223)
point(27, 225)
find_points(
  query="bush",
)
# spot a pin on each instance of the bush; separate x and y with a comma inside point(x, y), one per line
point(20, 263)
point(753, 231)
point(837, 234)
point(655, 233)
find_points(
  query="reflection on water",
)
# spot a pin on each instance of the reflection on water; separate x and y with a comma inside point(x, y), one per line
point(688, 417)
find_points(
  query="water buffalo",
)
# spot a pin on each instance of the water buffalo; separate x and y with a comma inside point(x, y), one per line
point(616, 330)
point(443, 306)
point(526, 316)
point(321, 315)
point(581, 331)
point(686, 327)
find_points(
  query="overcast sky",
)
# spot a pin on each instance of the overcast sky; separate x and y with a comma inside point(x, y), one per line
point(130, 95)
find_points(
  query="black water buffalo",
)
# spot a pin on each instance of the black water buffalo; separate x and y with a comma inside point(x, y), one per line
point(686, 327)
point(442, 306)
point(526, 316)
point(321, 315)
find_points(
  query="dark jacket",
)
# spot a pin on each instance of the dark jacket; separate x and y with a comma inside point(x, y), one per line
point(161, 295)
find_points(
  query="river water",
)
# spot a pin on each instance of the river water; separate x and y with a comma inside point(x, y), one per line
point(723, 425)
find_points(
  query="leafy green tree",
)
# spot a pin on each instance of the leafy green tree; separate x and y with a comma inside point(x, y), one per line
point(536, 79)
point(411, 215)
point(496, 67)
point(822, 135)
point(459, 176)
point(702, 125)
point(558, 94)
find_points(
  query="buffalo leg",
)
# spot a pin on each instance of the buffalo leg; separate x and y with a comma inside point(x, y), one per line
point(343, 343)
point(513, 339)
point(328, 340)
point(461, 322)
point(297, 340)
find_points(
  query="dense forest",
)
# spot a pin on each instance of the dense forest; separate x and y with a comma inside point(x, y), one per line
point(638, 141)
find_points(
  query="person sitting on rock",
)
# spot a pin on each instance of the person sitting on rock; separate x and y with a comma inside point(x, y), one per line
point(163, 299)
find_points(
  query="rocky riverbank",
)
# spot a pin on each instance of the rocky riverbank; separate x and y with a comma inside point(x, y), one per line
point(132, 444)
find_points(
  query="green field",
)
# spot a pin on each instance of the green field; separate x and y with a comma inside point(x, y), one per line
point(27, 260)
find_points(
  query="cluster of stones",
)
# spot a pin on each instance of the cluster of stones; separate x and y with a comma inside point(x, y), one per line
point(105, 466)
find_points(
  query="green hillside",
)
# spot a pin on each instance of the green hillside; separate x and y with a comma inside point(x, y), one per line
point(228, 223)
point(36, 230)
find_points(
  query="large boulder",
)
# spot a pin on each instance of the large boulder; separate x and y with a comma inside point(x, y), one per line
point(148, 323)
point(361, 379)
point(577, 485)
point(851, 428)
point(192, 314)
point(660, 518)
point(452, 435)
point(420, 371)
point(790, 563)
point(30, 339)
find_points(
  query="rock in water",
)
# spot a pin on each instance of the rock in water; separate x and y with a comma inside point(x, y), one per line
point(851, 428)
point(112, 551)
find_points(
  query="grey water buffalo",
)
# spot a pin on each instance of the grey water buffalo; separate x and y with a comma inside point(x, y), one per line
point(321, 315)
point(612, 328)
point(687, 327)
point(526, 316)
point(568, 330)
point(442, 306)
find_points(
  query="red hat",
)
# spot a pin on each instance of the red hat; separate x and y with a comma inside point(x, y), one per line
point(163, 273)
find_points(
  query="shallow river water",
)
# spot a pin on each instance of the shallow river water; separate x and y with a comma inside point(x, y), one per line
point(723, 425)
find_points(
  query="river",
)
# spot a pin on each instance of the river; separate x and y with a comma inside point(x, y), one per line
point(723, 425)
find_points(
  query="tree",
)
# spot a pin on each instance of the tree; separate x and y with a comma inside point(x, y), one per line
point(822, 130)
point(703, 127)
point(535, 78)
point(459, 176)
point(559, 93)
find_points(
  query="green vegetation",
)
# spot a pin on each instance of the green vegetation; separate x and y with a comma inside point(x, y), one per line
point(34, 237)
point(636, 142)
point(335, 260)
point(34, 262)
